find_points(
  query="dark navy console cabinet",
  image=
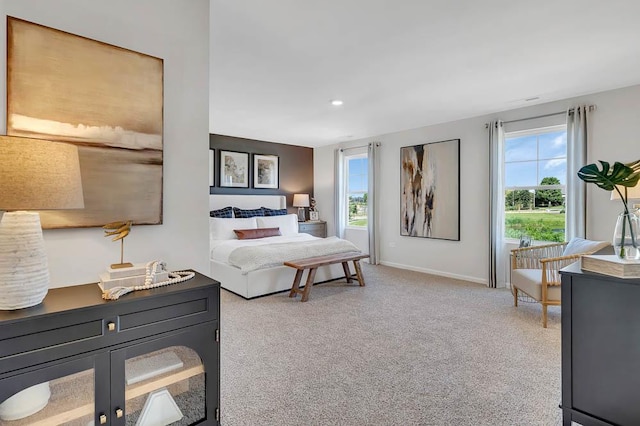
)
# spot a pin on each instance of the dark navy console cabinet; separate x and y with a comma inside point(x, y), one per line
point(77, 359)
point(600, 349)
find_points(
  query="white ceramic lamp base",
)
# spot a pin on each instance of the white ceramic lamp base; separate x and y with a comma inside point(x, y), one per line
point(24, 272)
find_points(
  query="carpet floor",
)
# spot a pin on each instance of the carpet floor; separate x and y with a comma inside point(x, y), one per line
point(407, 349)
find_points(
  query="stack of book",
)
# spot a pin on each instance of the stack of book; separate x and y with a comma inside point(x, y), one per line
point(128, 277)
point(611, 265)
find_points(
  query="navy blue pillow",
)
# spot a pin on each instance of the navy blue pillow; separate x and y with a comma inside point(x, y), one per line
point(240, 213)
point(274, 212)
point(225, 213)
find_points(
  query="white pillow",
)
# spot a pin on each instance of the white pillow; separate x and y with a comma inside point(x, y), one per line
point(222, 228)
point(580, 246)
point(288, 224)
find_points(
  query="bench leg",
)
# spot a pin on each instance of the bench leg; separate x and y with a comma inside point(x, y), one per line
point(309, 284)
point(360, 277)
point(347, 273)
point(296, 283)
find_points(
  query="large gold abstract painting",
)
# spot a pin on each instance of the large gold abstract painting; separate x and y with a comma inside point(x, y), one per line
point(105, 99)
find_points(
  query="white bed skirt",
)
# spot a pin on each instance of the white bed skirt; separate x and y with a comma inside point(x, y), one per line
point(267, 281)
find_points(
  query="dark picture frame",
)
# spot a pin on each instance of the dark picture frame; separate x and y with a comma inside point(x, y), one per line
point(212, 167)
point(430, 190)
point(234, 169)
point(265, 171)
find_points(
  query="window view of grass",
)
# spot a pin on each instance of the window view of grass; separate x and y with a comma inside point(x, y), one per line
point(357, 181)
point(540, 225)
point(535, 168)
point(538, 214)
point(358, 210)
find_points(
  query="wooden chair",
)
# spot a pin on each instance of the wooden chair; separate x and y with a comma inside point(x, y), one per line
point(535, 270)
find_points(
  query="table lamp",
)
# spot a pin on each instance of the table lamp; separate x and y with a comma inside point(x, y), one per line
point(301, 201)
point(34, 175)
point(633, 193)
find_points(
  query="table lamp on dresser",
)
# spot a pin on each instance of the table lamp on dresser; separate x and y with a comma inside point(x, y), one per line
point(34, 175)
point(301, 201)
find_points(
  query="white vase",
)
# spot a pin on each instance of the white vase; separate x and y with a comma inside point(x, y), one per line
point(626, 240)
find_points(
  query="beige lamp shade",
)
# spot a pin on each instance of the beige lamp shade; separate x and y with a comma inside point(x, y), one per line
point(39, 175)
point(633, 193)
point(301, 200)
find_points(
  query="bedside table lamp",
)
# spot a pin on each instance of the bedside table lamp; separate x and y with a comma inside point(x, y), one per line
point(633, 194)
point(301, 201)
point(34, 175)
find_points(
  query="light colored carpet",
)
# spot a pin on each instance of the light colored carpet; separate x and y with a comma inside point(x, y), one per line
point(407, 349)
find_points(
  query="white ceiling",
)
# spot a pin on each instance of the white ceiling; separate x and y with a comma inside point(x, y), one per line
point(276, 64)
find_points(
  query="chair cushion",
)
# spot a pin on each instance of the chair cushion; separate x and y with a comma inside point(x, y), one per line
point(530, 281)
point(580, 246)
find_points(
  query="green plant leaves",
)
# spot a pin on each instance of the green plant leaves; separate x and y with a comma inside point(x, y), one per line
point(607, 178)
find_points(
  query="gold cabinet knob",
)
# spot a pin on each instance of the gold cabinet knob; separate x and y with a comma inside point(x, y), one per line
point(111, 326)
point(103, 419)
point(119, 412)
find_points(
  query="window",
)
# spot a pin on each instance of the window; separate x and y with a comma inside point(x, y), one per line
point(535, 174)
point(357, 186)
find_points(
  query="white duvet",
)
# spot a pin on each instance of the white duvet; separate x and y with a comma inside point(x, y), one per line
point(247, 256)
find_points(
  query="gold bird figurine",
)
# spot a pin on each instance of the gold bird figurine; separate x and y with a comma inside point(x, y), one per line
point(119, 230)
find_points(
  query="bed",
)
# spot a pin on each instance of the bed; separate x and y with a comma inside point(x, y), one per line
point(245, 271)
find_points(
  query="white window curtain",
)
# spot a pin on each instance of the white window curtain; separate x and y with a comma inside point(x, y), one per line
point(340, 190)
point(577, 135)
point(372, 203)
point(497, 255)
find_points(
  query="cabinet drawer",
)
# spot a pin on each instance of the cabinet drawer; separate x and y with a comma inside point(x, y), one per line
point(317, 229)
point(25, 342)
point(23, 345)
point(157, 315)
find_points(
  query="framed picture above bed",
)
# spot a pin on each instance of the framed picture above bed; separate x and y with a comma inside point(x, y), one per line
point(265, 171)
point(234, 169)
point(212, 167)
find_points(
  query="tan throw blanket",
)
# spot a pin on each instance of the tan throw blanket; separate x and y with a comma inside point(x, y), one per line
point(265, 256)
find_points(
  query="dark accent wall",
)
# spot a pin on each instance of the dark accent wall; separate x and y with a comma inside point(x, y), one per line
point(295, 166)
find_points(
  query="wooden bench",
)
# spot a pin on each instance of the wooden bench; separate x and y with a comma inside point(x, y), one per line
point(312, 264)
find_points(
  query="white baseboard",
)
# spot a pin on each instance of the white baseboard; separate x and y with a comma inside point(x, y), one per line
point(435, 272)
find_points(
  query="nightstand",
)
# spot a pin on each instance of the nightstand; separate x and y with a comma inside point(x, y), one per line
point(317, 229)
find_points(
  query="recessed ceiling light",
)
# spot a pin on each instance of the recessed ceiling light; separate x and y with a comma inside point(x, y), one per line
point(336, 102)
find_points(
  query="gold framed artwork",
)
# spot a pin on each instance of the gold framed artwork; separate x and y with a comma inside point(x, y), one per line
point(107, 100)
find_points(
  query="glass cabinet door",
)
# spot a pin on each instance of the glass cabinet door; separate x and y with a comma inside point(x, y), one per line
point(165, 387)
point(60, 395)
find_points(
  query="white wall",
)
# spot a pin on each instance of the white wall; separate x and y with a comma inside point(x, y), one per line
point(178, 32)
point(615, 130)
